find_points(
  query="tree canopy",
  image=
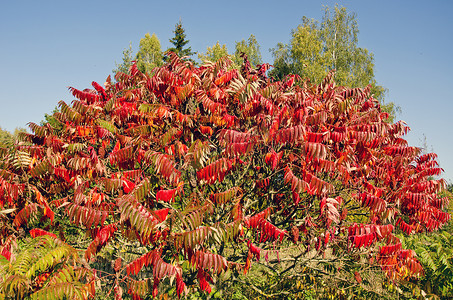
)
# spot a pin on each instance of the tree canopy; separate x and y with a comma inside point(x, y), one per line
point(179, 42)
point(5, 137)
point(179, 181)
point(316, 48)
point(149, 54)
point(128, 57)
point(251, 48)
point(214, 53)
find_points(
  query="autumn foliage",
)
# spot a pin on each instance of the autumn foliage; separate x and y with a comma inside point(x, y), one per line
point(204, 169)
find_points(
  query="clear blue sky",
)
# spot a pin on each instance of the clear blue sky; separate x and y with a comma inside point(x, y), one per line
point(47, 46)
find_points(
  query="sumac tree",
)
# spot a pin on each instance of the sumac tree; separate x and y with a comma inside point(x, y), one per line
point(194, 173)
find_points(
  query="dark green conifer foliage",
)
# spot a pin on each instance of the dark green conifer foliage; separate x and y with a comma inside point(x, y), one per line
point(179, 41)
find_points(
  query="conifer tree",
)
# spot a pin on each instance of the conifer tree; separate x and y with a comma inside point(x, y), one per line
point(179, 41)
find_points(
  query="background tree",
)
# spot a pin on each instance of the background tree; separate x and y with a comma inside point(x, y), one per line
point(5, 137)
point(282, 61)
point(179, 42)
point(249, 47)
point(51, 120)
point(214, 53)
point(128, 58)
point(315, 49)
point(304, 56)
point(149, 54)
